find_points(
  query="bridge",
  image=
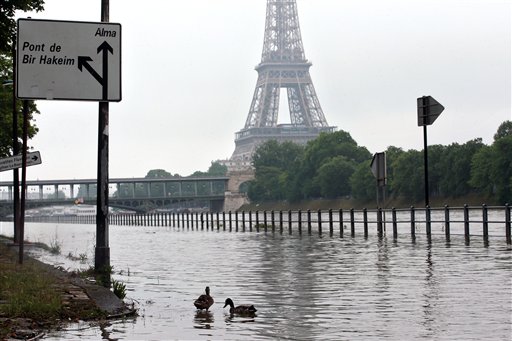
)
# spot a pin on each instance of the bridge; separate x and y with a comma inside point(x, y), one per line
point(137, 194)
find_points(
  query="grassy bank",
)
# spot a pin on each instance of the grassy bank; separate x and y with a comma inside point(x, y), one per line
point(326, 204)
point(32, 296)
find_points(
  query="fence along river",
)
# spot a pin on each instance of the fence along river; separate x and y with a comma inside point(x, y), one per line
point(469, 221)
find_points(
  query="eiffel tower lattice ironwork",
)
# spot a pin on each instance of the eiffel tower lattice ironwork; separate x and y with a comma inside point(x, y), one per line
point(283, 65)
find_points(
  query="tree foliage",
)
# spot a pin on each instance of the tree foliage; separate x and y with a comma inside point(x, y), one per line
point(7, 31)
point(7, 22)
point(334, 165)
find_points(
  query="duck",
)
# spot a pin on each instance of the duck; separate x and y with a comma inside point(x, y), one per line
point(241, 309)
point(204, 301)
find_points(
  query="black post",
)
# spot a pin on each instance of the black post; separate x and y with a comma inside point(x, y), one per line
point(319, 222)
point(15, 151)
point(428, 223)
point(331, 225)
point(102, 252)
point(265, 220)
point(23, 181)
point(379, 222)
point(395, 224)
point(365, 222)
point(289, 221)
point(281, 222)
point(309, 221)
point(352, 224)
point(508, 232)
point(340, 213)
point(466, 224)
point(447, 223)
point(413, 224)
point(485, 219)
point(425, 164)
point(299, 213)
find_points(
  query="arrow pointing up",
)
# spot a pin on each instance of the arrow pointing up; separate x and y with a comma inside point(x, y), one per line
point(83, 62)
point(105, 48)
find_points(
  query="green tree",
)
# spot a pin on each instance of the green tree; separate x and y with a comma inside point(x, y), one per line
point(504, 130)
point(501, 172)
point(217, 169)
point(408, 180)
point(481, 170)
point(455, 169)
point(363, 183)
point(316, 153)
point(7, 32)
point(333, 177)
point(491, 166)
point(273, 161)
point(7, 22)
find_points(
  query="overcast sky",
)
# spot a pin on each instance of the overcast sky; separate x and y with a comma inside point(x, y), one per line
point(188, 78)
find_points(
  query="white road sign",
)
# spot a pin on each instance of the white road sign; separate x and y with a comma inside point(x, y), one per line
point(68, 60)
point(13, 162)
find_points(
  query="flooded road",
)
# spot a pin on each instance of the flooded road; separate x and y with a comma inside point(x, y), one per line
point(307, 287)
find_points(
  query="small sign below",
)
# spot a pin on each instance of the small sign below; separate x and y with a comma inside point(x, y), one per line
point(378, 167)
point(14, 162)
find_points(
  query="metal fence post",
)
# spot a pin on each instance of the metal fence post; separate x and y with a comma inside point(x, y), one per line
point(466, 223)
point(485, 220)
point(447, 222)
point(352, 224)
point(365, 222)
point(508, 232)
point(428, 223)
point(413, 224)
point(395, 224)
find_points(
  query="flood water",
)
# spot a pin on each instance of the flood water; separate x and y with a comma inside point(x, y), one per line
point(305, 287)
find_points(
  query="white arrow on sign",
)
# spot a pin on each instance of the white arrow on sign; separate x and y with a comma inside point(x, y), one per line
point(13, 162)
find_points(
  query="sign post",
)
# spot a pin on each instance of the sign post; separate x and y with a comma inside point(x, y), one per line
point(428, 111)
point(69, 60)
point(102, 252)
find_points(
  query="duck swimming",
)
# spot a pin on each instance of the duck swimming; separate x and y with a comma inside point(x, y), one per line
point(204, 301)
point(241, 309)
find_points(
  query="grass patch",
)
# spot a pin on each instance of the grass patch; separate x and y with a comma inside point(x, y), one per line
point(35, 291)
point(27, 292)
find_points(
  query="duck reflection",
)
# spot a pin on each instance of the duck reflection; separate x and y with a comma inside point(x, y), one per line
point(203, 319)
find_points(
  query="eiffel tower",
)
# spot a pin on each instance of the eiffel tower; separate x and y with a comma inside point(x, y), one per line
point(283, 65)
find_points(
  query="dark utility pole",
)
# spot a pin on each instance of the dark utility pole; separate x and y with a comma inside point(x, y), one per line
point(102, 252)
point(425, 161)
point(15, 151)
point(428, 111)
point(21, 215)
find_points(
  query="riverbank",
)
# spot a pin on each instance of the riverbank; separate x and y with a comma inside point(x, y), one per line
point(36, 297)
point(326, 204)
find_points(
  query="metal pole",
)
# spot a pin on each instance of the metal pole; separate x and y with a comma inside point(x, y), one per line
point(23, 180)
point(102, 252)
point(15, 151)
point(425, 157)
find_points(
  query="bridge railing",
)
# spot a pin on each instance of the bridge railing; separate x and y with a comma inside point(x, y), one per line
point(470, 222)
